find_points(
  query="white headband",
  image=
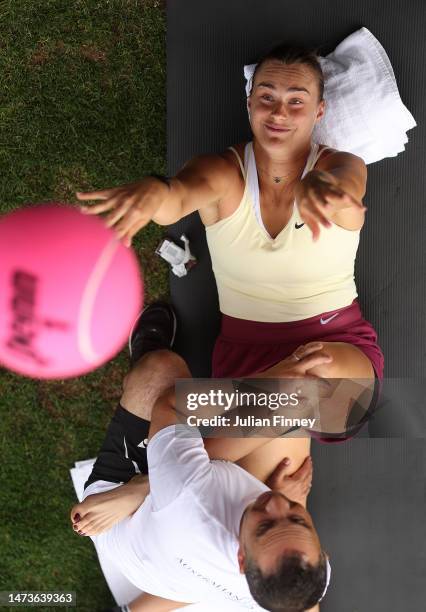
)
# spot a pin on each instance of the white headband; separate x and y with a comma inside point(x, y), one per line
point(327, 581)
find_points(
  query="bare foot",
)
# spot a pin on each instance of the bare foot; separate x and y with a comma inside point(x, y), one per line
point(101, 511)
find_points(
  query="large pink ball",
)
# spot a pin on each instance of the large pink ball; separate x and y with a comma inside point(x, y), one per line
point(69, 291)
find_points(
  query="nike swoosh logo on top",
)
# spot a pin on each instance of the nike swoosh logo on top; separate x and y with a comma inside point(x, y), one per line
point(297, 226)
point(325, 321)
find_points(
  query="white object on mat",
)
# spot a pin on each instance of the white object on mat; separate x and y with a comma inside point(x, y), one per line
point(364, 112)
point(122, 590)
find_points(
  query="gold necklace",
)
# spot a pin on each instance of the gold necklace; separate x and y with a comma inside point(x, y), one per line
point(278, 179)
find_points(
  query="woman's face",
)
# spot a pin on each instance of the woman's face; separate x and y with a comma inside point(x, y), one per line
point(284, 97)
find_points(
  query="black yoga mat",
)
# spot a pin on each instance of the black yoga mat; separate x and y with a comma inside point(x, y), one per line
point(207, 45)
point(368, 502)
point(368, 496)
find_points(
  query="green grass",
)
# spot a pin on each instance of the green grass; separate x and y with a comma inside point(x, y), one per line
point(82, 106)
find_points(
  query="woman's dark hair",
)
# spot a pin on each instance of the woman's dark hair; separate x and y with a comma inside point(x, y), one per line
point(294, 55)
point(295, 585)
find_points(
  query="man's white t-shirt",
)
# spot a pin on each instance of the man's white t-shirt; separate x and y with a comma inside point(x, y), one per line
point(182, 542)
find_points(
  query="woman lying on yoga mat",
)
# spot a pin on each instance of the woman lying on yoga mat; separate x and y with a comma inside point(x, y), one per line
point(282, 228)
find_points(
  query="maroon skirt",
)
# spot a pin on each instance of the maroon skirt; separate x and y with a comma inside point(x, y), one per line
point(247, 347)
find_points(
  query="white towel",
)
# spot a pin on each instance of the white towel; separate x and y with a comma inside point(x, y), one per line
point(364, 113)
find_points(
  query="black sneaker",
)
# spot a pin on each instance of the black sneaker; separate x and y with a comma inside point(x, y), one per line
point(154, 329)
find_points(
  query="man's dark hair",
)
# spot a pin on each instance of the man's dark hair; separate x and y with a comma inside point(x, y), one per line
point(295, 586)
point(294, 55)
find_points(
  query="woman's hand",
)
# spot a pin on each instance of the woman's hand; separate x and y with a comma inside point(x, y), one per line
point(295, 487)
point(294, 377)
point(130, 207)
point(296, 365)
point(101, 511)
point(319, 198)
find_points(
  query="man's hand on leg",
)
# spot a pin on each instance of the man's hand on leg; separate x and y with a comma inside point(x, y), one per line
point(295, 487)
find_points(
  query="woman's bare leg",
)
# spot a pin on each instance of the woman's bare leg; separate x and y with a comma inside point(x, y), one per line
point(263, 461)
point(348, 362)
point(353, 387)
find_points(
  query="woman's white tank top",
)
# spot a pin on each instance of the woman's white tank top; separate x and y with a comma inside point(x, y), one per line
point(287, 278)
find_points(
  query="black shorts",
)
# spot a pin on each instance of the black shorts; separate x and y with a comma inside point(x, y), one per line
point(123, 453)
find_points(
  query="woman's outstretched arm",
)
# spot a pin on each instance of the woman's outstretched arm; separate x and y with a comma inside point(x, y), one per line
point(332, 193)
point(200, 184)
